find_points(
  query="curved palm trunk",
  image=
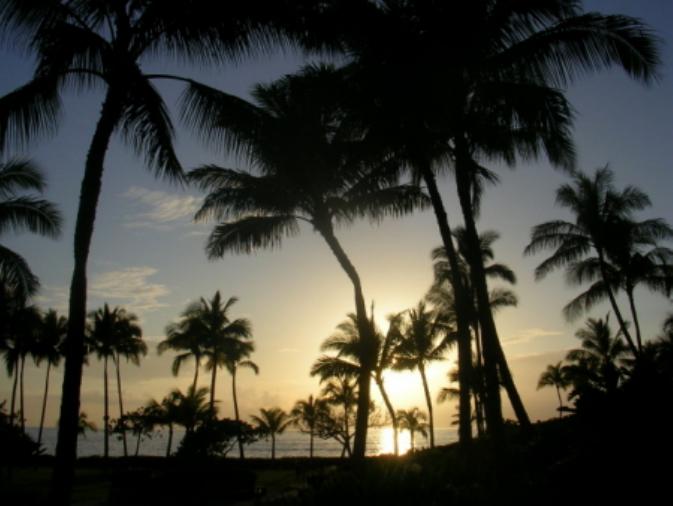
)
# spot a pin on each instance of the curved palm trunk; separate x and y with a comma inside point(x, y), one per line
point(106, 413)
point(238, 418)
point(21, 397)
point(170, 440)
point(494, 358)
point(365, 331)
point(66, 447)
point(461, 301)
point(212, 390)
point(44, 403)
point(391, 412)
point(196, 372)
point(634, 314)
point(428, 400)
point(121, 403)
point(15, 383)
point(615, 307)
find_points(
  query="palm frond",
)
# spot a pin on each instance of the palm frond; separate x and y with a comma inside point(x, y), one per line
point(36, 215)
point(16, 274)
point(248, 234)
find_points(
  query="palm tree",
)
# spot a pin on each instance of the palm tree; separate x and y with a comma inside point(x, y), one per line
point(480, 90)
point(185, 338)
point(555, 376)
point(84, 425)
point(237, 358)
point(110, 330)
point(48, 348)
point(313, 168)
point(347, 344)
point(23, 212)
point(271, 422)
point(307, 414)
point(88, 44)
point(221, 336)
point(603, 223)
point(425, 339)
point(130, 346)
point(413, 420)
point(189, 409)
point(342, 390)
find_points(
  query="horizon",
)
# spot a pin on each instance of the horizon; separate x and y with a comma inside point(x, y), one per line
point(296, 295)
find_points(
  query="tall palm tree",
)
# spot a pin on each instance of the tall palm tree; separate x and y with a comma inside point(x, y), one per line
point(313, 167)
point(237, 358)
point(306, 415)
point(87, 44)
point(184, 337)
point(110, 329)
point(555, 376)
point(481, 91)
point(23, 212)
point(603, 224)
point(425, 339)
point(413, 420)
point(222, 337)
point(48, 348)
point(271, 422)
point(132, 347)
point(347, 344)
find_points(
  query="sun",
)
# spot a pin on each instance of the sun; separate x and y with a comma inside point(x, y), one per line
point(387, 442)
point(403, 386)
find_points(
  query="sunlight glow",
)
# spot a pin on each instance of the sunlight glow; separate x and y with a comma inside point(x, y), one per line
point(387, 443)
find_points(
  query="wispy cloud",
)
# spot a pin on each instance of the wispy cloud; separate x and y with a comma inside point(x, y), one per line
point(161, 210)
point(530, 334)
point(129, 286)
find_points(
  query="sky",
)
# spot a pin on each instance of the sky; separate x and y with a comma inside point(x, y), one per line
point(148, 255)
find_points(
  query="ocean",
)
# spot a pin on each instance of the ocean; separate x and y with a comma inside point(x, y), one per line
point(289, 444)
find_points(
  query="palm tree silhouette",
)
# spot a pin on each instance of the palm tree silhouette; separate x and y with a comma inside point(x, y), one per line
point(313, 168)
point(341, 390)
point(88, 44)
point(419, 347)
point(413, 420)
point(48, 348)
point(237, 357)
point(110, 329)
point(603, 223)
point(84, 425)
point(189, 409)
point(23, 212)
point(271, 422)
point(347, 344)
point(307, 414)
point(185, 338)
point(480, 90)
point(555, 376)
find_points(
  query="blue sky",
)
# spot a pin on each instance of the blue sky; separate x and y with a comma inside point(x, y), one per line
point(147, 254)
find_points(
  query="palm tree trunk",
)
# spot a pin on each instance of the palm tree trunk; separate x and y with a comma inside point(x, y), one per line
point(428, 400)
point(464, 338)
point(21, 396)
point(137, 444)
point(196, 372)
point(12, 410)
point(170, 440)
point(236, 414)
point(636, 322)
point(119, 396)
point(310, 444)
point(212, 390)
point(44, 403)
point(106, 413)
point(411, 439)
point(273, 446)
point(560, 402)
point(366, 332)
point(615, 307)
point(391, 412)
point(66, 447)
point(478, 382)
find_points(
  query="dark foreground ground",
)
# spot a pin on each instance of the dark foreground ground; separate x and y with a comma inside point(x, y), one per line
point(562, 463)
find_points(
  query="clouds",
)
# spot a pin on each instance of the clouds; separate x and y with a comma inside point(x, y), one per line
point(531, 334)
point(129, 286)
point(161, 210)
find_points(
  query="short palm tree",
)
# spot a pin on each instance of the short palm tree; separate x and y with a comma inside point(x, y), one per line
point(312, 167)
point(189, 409)
point(555, 376)
point(425, 338)
point(603, 224)
point(23, 212)
point(237, 358)
point(413, 420)
point(306, 415)
point(185, 338)
point(271, 422)
point(110, 329)
point(48, 348)
point(342, 391)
